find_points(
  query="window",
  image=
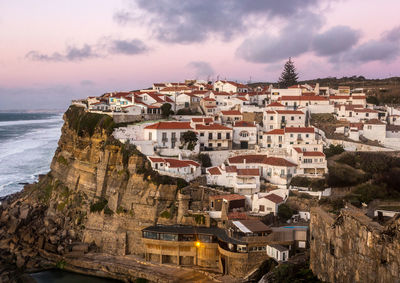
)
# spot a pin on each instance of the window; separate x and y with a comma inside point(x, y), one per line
point(201, 134)
point(228, 135)
point(210, 136)
point(261, 208)
point(271, 118)
point(282, 172)
point(244, 134)
point(150, 136)
point(280, 138)
point(164, 136)
point(307, 135)
point(292, 118)
point(271, 127)
point(210, 145)
point(219, 135)
point(219, 144)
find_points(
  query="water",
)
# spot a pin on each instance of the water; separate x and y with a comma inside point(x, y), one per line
point(27, 145)
point(59, 276)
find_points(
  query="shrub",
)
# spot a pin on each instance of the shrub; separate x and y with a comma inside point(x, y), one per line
point(165, 214)
point(108, 211)
point(315, 184)
point(205, 160)
point(285, 212)
point(61, 159)
point(333, 150)
point(99, 205)
point(166, 110)
point(368, 192)
point(344, 175)
point(190, 139)
point(349, 159)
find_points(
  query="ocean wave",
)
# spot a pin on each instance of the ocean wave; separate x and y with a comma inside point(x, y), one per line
point(27, 122)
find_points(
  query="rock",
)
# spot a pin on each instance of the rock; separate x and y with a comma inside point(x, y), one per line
point(40, 242)
point(4, 244)
point(54, 239)
point(13, 225)
point(20, 261)
point(60, 249)
point(83, 247)
point(50, 248)
point(24, 212)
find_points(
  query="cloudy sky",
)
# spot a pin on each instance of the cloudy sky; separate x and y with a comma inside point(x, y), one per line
point(56, 50)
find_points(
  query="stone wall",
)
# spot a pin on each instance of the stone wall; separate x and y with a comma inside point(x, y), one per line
point(353, 248)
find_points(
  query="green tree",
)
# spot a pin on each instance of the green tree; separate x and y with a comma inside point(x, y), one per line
point(190, 139)
point(166, 110)
point(205, 160)
point(289, 75)
point(285, 212)
point(373, 100)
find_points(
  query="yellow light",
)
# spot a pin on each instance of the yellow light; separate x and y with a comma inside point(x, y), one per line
point(197, 244)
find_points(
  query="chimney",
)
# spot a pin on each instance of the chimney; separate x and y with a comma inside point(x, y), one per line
point(180, 156)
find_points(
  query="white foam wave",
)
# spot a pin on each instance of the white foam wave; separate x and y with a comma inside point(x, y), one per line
point(27, 122)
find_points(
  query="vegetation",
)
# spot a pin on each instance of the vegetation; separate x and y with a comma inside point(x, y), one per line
point(187, 111)
point(285, 212)
point(292, 273)
point(166, 110)
point(289, 75)
point(61, 264)
point(61, 159)
point(108, 211)
point(333, 150)
point(86, 123)
point(189, 139)
point(314, 183)
point(341, 175)
point(165, 214)
point(99, 205)
point(205, 160)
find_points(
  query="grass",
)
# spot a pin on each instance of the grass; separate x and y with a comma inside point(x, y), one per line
point(61, 159)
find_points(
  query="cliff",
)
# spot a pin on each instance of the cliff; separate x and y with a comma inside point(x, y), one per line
point(97, 197)
point(353, 248)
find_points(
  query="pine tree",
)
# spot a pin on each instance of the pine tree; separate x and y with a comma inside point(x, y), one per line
point(289, 75)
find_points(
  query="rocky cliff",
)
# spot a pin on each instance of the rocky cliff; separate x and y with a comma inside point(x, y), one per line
point(98, 196)
point(353, 248)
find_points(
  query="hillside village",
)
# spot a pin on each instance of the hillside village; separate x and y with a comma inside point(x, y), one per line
point(246, 145)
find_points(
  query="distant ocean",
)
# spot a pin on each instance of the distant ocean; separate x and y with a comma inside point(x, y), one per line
point(27, 145)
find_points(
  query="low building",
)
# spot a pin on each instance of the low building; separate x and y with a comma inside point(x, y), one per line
point(278, 252)
point(244, 135)
point(178, 168)
point(214, 136)
point(266, 204)
point(231, 116)
point(234, 202)
point(279, 119)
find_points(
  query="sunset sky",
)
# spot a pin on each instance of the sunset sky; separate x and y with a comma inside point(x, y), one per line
point(53, 51)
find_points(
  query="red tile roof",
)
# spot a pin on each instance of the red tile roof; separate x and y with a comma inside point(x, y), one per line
point(278, 161)
point(212, 127)
point(276, 132)
point(170, 126)
point(230, 169)
point(374, 122)
point(275, 104)
point(289, 112)
point(248, 172)
point(203, 120)
point(274, 198)
point(214, 171)
point(244, 124)
point(236, 215)
point(313, 153)
point(175, 88)
point(298, 149)
point(299, 130)
point(251, 158)
point(231, 112)
point(209, 99)
point(303, 98)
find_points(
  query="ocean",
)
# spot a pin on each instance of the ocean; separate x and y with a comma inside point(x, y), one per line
point(27, 145)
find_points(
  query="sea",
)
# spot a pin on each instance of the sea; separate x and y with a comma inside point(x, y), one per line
point(27, 145)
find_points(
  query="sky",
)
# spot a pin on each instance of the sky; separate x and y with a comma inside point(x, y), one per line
point(52, 51)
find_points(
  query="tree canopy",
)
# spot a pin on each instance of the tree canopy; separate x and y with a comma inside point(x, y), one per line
point(166, 110)
point(289, 75)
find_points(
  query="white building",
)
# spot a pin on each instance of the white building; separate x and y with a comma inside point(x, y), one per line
point(278, 119)
point(243, 181)
point(310, 163)
point(244, 135)
point(166, 134)
point(229, 86)
point(214, 136)
point(185, 169)
point(266, 203)
point(230, 116)
point(277, 93)
point(374, 130)
point(278, 252)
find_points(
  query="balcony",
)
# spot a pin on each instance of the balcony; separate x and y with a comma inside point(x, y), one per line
point(164, 139)
point(245, 186)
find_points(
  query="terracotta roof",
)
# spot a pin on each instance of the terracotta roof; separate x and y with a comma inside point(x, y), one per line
point(214, 171)
point(289, 112)
point(230, 169)
point(209, 99)
point(236, 215)
point(299, 130)
point(251, 158)
point(175, 88)
point(303, 98)
point(365, 110)
point(242, 98)
point(278, 161)
point(298, 149)
point(174, 163)
point(374, 122)
point(170, 126)
point(203, 120)
point(231, 112)
point(275, 104)
point(313, 153)
point(276, 132)
point(248, 172)
point(244, 124)
point(212, 127)
point(228, 197)
point(274, 198)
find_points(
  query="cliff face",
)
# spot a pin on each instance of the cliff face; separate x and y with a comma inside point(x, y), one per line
point(117, 200)
point(353, 248)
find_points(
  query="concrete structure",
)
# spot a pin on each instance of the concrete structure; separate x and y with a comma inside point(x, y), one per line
point(278, 119)
point(278, 252)
point(178, 168)
point(244, 135)
point(214, 136)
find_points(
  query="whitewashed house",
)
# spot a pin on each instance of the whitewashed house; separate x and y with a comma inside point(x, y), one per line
point(230, 116)
point(244, 135)
point(185, 169)
point(277, 93)
point(243, 181)
point(266, 203)
point(278, 119)
point(229, 86)
point(310, 163)
point(278, 252)
point(214, 136)
point(374, 130)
